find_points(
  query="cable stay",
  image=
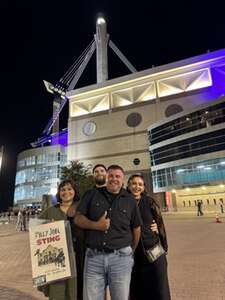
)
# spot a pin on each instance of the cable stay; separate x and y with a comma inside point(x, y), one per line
point(66, 83)
point(122, 57)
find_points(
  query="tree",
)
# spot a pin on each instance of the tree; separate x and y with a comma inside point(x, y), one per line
point(80, 174)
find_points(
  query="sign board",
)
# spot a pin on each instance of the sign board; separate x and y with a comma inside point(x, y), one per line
point(52, 255)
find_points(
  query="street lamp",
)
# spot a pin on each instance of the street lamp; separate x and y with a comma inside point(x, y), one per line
point(1, 157)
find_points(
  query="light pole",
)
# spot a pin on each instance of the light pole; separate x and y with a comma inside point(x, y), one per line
point(1, 157)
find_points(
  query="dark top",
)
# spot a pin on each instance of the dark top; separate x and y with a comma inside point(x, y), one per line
point(150, 211)
point(56, 214)
point(122, 211)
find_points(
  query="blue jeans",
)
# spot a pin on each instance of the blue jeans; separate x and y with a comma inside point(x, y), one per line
point(102, 269)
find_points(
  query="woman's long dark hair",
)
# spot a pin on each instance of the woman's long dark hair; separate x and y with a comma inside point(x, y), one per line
point(72, 183)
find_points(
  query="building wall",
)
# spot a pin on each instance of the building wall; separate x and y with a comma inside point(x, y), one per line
point(114, 141)
point(156, 95)
point(209, 195)
point(152, 94)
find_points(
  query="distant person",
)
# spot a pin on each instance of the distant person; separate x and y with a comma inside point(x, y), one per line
point(221, 205)
point(24, 220)
point(112, 222)
point(65, 209)
point(149, 280)
point(199, 208)
point(9, 216)
point(19, 222)
point(28, 215)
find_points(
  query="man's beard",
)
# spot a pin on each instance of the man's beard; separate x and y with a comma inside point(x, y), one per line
point(100, 180)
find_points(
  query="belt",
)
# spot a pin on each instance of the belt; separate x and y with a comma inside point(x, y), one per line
point(103, 250)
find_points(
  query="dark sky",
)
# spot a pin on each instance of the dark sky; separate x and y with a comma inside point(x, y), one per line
point(41, 39)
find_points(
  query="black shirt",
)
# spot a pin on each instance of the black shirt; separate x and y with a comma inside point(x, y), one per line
point(150, 211)
point(122, 211)
point(149, 237)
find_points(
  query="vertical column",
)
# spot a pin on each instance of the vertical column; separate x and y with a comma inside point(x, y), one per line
point(101, 39)
point(56, 105)
point(174, 201)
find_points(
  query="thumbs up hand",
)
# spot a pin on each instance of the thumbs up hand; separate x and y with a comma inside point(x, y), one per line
point(103, 223)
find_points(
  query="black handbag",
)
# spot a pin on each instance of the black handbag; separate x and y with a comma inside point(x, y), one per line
point(154, 253)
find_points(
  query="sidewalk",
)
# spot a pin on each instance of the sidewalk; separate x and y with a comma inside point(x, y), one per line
point(193, 215)
point(196, 256)
point(196, 260)
point(15, 275)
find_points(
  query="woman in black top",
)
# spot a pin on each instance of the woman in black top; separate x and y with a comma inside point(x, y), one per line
point(149, 281)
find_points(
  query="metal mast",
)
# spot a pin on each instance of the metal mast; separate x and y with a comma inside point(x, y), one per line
point(73, 74)
point(101, 40)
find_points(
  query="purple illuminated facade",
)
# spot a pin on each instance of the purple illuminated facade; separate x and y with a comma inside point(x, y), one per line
point(60, 138)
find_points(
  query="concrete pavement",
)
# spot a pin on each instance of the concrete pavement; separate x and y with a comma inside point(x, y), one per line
point(196, 259)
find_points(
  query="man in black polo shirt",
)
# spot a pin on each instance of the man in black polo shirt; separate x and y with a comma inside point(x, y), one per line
point(111, 218)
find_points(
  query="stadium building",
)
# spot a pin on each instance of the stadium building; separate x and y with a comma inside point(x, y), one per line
point(148, 122)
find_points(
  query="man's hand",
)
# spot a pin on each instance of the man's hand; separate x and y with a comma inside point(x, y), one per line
point(83, 222)
point(103, 223)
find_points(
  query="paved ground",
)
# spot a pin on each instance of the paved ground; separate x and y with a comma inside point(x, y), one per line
point(196, 260)
point(196, 257)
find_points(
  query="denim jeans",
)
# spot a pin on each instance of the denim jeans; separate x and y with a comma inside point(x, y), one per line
point(102, 269)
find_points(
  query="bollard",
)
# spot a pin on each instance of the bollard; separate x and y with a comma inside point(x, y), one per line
point(218, 219)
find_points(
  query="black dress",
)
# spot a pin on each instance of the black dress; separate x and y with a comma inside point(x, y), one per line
point(149, 281)
point(79, 247)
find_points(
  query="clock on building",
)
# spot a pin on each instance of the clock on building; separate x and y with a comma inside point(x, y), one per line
point(89, 128)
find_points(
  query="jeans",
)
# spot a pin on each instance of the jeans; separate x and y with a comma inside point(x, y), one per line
point(102, 269)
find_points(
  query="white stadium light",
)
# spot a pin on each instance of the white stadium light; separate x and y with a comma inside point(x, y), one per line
point(100, 21)
point(200, 167)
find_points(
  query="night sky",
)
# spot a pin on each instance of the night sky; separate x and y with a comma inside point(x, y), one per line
point(41, 39)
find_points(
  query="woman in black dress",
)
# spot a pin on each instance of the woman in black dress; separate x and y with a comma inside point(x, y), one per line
point(149, 281)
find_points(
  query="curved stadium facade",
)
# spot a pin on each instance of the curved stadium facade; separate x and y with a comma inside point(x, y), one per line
point(188, 156)
point(38, 174)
